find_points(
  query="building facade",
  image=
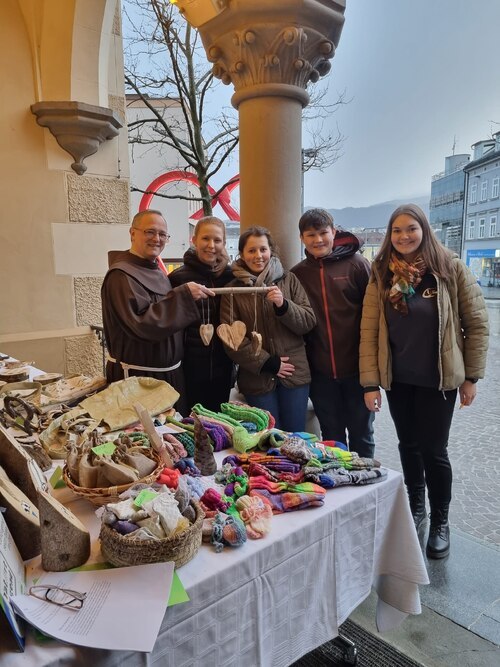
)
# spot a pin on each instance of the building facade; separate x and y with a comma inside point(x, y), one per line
point(446, 207)
point(481, 239)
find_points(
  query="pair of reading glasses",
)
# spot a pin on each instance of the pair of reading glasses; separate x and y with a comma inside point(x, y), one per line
point(63, 597)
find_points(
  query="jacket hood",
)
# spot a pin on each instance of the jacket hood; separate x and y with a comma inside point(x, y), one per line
point(345, 245)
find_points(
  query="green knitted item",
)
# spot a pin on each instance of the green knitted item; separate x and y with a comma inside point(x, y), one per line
point(243, 441)
point(186, 427)
point(204, 412)
point(244, 413)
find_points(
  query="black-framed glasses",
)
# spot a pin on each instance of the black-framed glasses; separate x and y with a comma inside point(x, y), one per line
point(153, 233)
point(63, 597)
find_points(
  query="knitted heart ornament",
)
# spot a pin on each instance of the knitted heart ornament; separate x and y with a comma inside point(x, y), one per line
point(233, 334)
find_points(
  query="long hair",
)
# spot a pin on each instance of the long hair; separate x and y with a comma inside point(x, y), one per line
point(437, 258)
point(257, 231)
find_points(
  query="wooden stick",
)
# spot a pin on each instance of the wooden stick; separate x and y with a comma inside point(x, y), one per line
point(154, 437)
point(239, 290)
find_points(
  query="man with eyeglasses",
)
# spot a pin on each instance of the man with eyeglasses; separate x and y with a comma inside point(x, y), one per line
point(143, 316)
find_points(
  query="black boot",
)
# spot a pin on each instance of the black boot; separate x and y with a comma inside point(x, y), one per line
point(416, 496)
point(438, 544)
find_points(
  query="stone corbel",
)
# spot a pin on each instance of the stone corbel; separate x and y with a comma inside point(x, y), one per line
point(78, 128)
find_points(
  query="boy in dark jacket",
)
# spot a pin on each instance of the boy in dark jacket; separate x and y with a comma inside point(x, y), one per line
point(335, 277)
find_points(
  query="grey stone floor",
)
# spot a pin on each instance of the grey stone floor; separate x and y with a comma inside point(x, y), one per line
point(460, 622)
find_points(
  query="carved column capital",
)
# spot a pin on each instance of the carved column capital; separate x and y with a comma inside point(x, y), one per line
point(79, 128)
point(266, 48)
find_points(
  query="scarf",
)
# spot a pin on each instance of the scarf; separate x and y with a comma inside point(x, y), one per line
point(210, 271)
point(406, 277)
point(272, 272)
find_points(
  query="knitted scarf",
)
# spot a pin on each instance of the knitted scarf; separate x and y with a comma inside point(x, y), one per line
point(407, 276)
point(272, 272)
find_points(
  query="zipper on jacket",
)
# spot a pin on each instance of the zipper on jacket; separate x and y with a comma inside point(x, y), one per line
point(327, 318)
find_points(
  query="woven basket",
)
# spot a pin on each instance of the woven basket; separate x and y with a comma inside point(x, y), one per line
point(181, 548)
point(110, 494)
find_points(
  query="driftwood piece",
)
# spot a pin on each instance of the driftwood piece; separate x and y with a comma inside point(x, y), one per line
point(65, 541)
point(21, 517)
point(20, 467)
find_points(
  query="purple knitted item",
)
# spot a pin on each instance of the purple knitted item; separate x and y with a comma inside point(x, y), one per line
point(217, 434)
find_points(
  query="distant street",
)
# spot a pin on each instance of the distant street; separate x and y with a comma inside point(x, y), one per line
point(474, 449)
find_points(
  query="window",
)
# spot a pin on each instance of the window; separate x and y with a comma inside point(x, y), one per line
point(493, 225)
point(484, 190)
point(472, 224)
point(495, 186)
point(482, 222)
point(473, 194)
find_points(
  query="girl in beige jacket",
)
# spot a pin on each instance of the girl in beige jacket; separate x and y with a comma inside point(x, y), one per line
point(424, 336)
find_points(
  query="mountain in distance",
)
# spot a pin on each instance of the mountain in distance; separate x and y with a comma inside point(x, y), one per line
point(374, 216)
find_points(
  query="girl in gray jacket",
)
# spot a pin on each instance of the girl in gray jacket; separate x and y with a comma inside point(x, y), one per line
point(424, 336)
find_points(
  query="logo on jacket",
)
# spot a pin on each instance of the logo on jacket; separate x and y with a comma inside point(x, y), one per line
point(429, 293)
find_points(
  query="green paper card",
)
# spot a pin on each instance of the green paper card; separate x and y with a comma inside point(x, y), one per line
point(144, 496)
point(177, 592)
point(105, 448)
point(56, 480)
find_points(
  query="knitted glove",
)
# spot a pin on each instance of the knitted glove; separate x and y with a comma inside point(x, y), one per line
point(241, 412)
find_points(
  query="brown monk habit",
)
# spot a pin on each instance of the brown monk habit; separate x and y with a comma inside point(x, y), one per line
point(144, 318)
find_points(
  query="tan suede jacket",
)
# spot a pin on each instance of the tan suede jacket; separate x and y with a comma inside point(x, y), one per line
point(463, 332)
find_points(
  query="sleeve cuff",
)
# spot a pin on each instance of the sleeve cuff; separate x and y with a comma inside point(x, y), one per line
point(282, 309)
point(271, 365)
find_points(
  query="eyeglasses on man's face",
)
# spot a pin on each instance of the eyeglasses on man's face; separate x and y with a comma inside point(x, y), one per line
point(151, 234)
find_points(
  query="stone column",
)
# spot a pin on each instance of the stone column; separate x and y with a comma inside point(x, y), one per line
point(269, 50)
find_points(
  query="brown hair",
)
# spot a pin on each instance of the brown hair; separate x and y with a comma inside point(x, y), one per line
point(257, 231)
point(210, 220)
point(436, 256)
point(315, 218)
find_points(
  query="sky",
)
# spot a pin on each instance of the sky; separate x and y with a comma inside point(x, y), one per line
point(421, 74)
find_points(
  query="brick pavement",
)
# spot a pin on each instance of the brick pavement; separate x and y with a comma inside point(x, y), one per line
point(474, 448)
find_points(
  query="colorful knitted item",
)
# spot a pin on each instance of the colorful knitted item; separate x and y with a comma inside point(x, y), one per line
point(212, 500)
point(218, 435)
point(334, 477)
point(174, 447)
point(300, 450)
point(234, 478)
point(310, 437)
point(187, 439)
point(244, 413)
point(199, 410)
point(256, 513)
point(289, 501)
point(188, 467)
point(169, 477)
point(273, 461)
point(195, 487)
point(244, 441)
point(227, 530)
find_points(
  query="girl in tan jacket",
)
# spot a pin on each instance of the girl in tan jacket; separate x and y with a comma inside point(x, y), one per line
point(424, 336)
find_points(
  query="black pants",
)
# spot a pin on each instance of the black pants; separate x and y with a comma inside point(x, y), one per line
point(422, 418)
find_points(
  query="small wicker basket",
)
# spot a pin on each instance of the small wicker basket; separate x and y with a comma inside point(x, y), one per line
point(181, 548)
point(103, 496)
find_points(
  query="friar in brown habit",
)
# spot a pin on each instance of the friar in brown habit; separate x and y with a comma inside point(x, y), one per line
point(143, 316)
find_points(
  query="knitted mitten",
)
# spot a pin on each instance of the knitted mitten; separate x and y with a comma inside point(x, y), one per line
point(256, 513)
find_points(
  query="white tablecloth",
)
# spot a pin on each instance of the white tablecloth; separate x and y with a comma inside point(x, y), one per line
point(273, 600)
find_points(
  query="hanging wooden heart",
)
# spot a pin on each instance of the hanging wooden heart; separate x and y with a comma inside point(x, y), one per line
point(256, 341)
point(206, 333)
point(233, 334)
